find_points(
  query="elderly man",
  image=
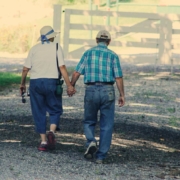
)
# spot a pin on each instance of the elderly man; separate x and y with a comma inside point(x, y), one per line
point(101, 68)
point(42, 63)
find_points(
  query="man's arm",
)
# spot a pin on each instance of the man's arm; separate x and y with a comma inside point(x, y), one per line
point(120, 86)
point(23, 80)
point(75, 77)
point(70, 88)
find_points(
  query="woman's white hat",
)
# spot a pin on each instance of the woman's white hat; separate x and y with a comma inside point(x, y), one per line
point(47, 32)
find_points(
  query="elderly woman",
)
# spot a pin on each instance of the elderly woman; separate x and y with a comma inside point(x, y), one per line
point(42, 63)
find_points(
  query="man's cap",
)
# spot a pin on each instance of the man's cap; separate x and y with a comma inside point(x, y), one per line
point(47, 32)
point(103, 34)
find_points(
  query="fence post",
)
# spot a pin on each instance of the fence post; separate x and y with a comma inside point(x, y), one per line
point(57, 20)
point(66, 33)
point(108, 9)
point(90, 18)
point(95, 7)
point(117, 9)
point(165, 55)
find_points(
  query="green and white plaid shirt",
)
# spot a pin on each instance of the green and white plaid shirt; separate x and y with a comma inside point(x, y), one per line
point(99, 64)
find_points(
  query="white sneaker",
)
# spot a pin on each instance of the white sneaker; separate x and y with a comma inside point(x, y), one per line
point(92, 148)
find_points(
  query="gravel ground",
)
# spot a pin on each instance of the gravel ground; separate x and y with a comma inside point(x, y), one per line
point(146, 138)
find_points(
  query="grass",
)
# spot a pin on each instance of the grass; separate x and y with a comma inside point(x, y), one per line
point(149, 94)
point(174, 121)
point(171, 110)
point(9, 79)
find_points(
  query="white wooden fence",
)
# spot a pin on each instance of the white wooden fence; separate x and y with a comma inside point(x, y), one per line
point(153, 23)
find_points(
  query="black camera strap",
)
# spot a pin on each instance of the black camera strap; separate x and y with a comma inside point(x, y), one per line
point(59, 72)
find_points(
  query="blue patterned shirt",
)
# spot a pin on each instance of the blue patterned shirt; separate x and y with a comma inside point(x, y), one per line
point(99, 64)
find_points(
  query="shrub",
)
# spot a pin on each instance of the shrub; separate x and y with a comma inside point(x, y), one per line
point(16, 39)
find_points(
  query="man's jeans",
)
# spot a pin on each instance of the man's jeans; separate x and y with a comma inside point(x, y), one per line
point(43, 98)
point(99, 97)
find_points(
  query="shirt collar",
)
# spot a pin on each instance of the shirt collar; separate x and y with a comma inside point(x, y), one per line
point(102, 44)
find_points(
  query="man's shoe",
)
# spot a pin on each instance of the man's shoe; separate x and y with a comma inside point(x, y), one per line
point(98, 161)
point(43, 147)
point(51, 140)
point(92, 148)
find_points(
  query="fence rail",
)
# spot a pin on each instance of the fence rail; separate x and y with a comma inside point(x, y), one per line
point(160, 25)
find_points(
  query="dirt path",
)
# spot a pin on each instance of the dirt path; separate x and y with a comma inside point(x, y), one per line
point(146, 138)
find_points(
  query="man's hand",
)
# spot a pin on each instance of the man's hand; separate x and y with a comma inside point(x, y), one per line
point(121, 101)
point(22, 89)
point(120, 86)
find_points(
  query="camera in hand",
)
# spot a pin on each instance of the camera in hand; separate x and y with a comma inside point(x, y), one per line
point(23, 98)
point(28, 93)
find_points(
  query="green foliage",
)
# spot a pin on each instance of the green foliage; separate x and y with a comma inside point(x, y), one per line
point(125, 1)
point(174, 121)
point(171, 109)
point(65, 2)
point(71, 1)
point(17, 39)
point(104, 2)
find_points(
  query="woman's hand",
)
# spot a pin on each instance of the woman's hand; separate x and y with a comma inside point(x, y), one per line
point(22, 89)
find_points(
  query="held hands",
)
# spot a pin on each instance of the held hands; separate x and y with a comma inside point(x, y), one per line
point(71, 91)
point(121, 101)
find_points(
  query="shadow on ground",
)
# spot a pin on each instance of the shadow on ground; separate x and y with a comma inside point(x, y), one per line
point(131, 142)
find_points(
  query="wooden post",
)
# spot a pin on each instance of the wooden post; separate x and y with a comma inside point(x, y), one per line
point(95, 7)
point(172, 67)
point(108, 9)
point(66, 33)
point(117, 9)
point(90, 18)
point(165, 55)
point(57, 20)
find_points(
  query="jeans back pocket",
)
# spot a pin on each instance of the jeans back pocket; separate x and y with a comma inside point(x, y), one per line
point(111, 95)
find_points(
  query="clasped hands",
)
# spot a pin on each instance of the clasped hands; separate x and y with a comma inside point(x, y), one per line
point(71, 90)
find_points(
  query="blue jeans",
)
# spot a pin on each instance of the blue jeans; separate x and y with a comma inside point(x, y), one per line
point(43, 98)
point(99, 98)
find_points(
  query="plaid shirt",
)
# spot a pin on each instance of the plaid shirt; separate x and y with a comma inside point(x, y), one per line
point(99, 64)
